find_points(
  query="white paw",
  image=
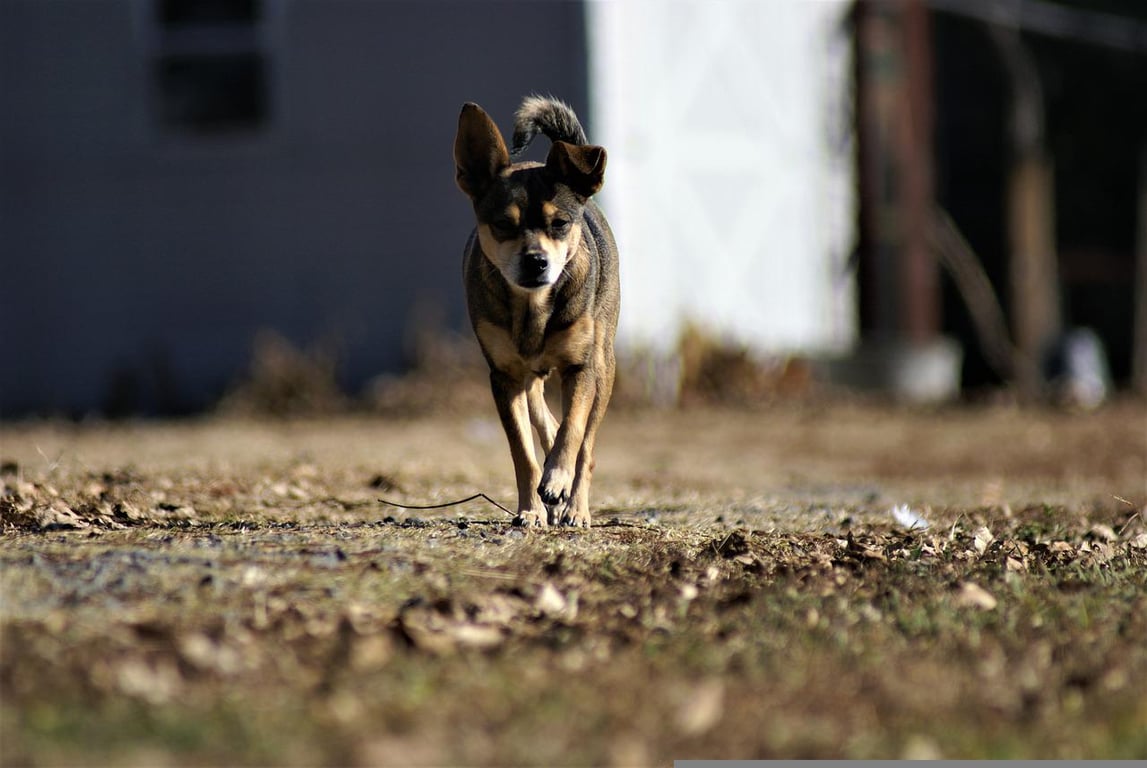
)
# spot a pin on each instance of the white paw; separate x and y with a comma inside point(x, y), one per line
point(528, 518)
point(556, 485)
point(575, 519)
point(569, 514)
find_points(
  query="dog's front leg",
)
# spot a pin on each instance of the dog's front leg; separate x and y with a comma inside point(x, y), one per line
point(576, 510)
point(513, 409)
point(579, 390)
point(543, 421)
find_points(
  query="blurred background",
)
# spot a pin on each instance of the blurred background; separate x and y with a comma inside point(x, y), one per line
point(927, 198)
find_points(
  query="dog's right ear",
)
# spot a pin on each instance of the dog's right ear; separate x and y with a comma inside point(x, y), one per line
point(581, 167)
point(479, 151)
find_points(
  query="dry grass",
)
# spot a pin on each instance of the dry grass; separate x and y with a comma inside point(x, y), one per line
point(230, 592)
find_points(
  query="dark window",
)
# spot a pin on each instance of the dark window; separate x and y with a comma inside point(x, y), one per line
point(177, 12)
point(210, 68)
point(208, 94)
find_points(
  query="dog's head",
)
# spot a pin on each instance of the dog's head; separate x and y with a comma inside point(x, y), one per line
point(529, 215)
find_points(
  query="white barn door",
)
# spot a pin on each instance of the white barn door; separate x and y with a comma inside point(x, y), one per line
point(730, 178)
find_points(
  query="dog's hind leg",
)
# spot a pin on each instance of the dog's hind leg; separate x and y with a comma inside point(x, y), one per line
point(512, 400)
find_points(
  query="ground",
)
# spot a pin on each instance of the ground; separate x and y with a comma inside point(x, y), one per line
point(804, 580)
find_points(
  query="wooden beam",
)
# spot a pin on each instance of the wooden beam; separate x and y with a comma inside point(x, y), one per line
point(1139, 333)
point(1030, 194)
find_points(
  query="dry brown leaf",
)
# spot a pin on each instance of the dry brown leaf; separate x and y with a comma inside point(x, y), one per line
point(371, 652)
point(474, 635)
point(203, 653)
point(549, 601)
point(982, 538)
point(703, 708)
point(1103, 532)
point(972, 595)
point(58, 516)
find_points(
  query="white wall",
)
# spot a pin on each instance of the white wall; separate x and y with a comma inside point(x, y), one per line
point(729, 184)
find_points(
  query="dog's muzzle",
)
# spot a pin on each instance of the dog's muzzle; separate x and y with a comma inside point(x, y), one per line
point(532, 269)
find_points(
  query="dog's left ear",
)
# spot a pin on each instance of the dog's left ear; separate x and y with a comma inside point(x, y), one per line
point(479, 151)
point(580, 167)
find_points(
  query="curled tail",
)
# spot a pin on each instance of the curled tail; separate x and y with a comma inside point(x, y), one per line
point(540, 114)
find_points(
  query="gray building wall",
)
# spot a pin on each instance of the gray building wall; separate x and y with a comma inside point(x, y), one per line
point(134, 253)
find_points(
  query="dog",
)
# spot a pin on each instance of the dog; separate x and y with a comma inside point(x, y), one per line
point(541, 277)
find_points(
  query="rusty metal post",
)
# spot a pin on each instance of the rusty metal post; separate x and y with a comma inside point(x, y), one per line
point(920, 282)
point(895, 127)
point(878, 67)
point(902, 350)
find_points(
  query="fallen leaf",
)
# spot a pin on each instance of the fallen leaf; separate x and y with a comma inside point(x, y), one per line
point(919, 747)
point(1102, 553)
point(370, 652)
point(702, 709)
point(474, 635)
point(864, 551)
point(205, 654)
point(1103, 532)
point(549, 601)
point(156, 684)
point(982, 538)
point(442, 628)
point(57, 517)
point(974, 596)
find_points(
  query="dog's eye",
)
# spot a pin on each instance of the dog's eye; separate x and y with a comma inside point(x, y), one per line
point(504, 229)
point(558, 227)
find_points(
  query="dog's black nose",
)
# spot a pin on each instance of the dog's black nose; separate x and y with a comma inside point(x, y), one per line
point(534, 263)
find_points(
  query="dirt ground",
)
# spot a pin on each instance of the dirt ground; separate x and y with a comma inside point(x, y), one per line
point(805, 580)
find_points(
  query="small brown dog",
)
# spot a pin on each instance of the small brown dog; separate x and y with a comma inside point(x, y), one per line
point(542, 289)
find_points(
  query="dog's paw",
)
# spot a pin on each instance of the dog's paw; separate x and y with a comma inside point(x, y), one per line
point(527, 518)
point(574, 518)
point(556, 485)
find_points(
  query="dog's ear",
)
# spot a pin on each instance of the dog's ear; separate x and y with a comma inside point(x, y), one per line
point(580, 167)
point(479, 151)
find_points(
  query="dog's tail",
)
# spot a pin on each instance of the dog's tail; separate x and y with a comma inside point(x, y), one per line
point(541, 114)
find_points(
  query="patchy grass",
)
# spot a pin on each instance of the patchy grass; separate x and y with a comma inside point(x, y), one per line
point(275, 613)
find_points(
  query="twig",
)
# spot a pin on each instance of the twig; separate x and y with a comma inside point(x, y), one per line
point(447, 504)
point(343, 502)
point(1127, 524)
point(975, 287)
point(52, 465)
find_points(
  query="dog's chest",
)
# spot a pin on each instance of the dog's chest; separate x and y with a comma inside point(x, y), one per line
point(529, 347)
